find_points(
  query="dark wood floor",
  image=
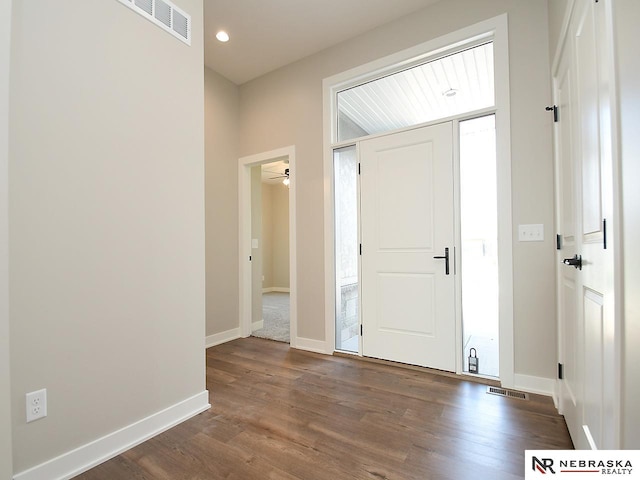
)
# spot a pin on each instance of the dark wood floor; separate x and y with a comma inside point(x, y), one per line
point(284, 414)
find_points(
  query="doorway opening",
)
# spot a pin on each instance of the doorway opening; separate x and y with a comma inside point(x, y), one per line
point(460, 78)
point(267, 250)
point(479, 245)
point(347, 249)
point(270, 250)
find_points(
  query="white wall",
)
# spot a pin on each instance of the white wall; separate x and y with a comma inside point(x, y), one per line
point(285, 108)
point(626, 15)
point(106, 216)
point(221, 201)
point(557, 11)
point(6, 463)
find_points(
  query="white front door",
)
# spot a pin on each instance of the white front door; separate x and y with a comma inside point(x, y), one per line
point(585, 286)
point(407, 224)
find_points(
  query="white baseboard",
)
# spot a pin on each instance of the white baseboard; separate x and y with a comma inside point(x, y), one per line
point(317, 346)
point(222, 337)
point(276, 289)
point(539, 385)
point(83, 458)
point(556, 394)
point(257, 325)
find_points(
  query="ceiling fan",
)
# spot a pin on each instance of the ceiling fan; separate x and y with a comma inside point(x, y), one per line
point(285, 176)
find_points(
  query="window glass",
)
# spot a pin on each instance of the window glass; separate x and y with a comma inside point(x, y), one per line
point(452, 85)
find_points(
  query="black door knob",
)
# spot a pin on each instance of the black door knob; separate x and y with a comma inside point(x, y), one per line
point(576, 261)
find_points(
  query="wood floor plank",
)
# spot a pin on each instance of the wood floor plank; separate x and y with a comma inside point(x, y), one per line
point(280, 413)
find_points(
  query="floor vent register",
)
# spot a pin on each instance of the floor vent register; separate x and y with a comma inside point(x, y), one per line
point(507, 393)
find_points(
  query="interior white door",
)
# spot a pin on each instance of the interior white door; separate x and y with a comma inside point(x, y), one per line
point(585, 287)
point(407, 226)
point(570, 332)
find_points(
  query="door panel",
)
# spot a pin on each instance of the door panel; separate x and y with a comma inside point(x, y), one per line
point(593, 317)
point(400, 319)
point(590, 242)
point(585, 294)
point(570, 359)
point(570, 327)
point(408, 309)
point(402, 185)
point(587, 81)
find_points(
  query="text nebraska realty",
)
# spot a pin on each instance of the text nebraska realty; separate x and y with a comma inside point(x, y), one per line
point(606, 467)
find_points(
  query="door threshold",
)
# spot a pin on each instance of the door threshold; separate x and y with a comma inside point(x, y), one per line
point(416, 368)
point(480, 378)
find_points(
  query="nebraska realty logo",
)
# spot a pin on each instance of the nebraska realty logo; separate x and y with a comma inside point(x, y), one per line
point(568, 464)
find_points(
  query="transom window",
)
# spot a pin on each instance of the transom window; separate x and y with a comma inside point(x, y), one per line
point(451, 85)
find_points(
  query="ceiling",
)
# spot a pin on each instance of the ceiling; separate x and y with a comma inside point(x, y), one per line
point(268, 34)
point(274, 169)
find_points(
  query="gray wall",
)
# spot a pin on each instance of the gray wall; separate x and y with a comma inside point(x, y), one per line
point(221, 201)
point(267, 235)
point(285, 108)
point(106, 220)
point(280, 252)
point(6, 464)
point(275, 235)
point(256, 253)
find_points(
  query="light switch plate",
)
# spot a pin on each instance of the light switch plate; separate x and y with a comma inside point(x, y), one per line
point(531, 233)
point(254, 243)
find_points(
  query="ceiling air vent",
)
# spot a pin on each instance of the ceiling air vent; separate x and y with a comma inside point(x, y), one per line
point(164, 14)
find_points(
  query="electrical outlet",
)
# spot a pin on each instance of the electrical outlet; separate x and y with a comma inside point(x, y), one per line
point(36, 405)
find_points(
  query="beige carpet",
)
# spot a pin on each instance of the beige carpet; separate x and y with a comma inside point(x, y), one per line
point(275, 313)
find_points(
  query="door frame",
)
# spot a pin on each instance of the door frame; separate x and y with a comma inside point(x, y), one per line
point(495, 29)
point(244, 237)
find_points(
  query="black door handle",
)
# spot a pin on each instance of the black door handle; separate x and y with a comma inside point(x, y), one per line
point(576, 261)
point(445, 257)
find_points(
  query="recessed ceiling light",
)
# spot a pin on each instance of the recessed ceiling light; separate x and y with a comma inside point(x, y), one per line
point(222, 36)
point(452, 92)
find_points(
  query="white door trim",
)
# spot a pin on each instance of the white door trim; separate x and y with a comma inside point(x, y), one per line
point(497, 29)
point(244, 237)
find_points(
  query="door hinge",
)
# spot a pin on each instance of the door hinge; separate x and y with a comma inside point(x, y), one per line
point(358, 168)
point(360, 249)
point(554, 109)
point(558, 242)
point(604, 233)
point(560, 371)
point(360, 329)
point(249, 257)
